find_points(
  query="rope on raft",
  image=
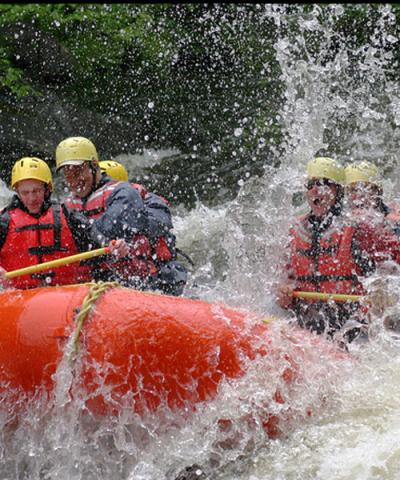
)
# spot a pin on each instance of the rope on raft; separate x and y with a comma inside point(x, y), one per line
point(95, 291)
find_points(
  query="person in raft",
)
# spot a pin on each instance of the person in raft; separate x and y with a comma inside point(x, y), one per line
point(35, 229)
point(364, 192)
point(115, 208)
point(171, 276)
point(332, 253)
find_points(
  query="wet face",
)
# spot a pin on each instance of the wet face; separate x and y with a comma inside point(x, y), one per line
point(32, 194)
point(362, 195)
point(79, 178)
point(321, 195)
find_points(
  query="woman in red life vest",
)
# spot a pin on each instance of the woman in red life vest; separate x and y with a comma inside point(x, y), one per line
point(34, 230)
point(171, 276)
point(323, 256)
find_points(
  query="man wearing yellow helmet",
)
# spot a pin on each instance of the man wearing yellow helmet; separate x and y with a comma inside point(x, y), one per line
point(34, 229)
point(171, 276)
point(321, 254)
point(115, 207)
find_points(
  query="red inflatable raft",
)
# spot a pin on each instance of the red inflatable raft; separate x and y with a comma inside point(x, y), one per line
point(145, 348)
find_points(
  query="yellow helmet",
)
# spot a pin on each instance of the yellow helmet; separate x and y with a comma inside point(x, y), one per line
point(362, 172)
point(31, 168)
point(75, 151)
point(114, 169)
point(324, 167)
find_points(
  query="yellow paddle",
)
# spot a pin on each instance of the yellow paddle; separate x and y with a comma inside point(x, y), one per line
point(57, 263)
point(337, 297)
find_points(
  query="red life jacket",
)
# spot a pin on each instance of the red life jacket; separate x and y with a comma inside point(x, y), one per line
point(378, 234)
point(160, 248)
point(140, 262)
point(328, 267)
point(31, 241)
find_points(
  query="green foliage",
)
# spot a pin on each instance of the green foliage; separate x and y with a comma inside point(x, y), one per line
point(12, 77)
point(189, 75)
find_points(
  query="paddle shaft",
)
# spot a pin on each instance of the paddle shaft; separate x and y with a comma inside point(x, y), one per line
point(337, 297)
point(57, 263)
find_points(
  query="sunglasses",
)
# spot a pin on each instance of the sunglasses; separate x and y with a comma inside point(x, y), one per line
point(74, 169)
point(318, 182)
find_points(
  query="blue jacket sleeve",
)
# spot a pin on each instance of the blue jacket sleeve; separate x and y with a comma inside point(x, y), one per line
point(159, 215)
point(125, 215)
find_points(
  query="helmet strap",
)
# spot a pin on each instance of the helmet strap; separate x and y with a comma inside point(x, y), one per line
point(47, 191)
point(94, 171)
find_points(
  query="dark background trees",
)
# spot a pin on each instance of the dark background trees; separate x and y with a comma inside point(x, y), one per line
point(202, 79)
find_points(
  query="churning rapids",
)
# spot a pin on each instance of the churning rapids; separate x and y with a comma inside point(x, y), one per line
point(354, 429)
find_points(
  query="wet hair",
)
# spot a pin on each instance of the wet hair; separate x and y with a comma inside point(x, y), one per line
point(94, 169)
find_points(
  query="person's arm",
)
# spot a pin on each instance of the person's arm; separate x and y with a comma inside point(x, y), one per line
point(81, 229)
point(286, 285)
point(379, 242)
point(284, 296)
point(86, 239)
point(159, 215)
point(125, 215)
point(4, 282)
point(4, 222)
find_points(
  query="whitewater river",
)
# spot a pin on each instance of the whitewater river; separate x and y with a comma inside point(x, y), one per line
point(354, 427)
point(351, 434)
